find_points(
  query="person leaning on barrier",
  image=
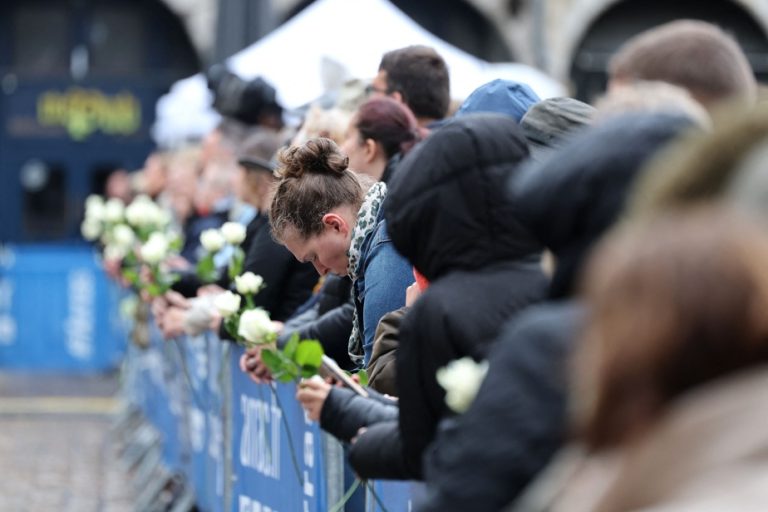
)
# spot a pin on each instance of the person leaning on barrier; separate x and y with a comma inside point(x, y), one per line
point(567, 201)
point(322, 213)
point(449, 217)
point(670, 373)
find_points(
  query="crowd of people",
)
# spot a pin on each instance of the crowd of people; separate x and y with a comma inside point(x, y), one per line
point(600, 267)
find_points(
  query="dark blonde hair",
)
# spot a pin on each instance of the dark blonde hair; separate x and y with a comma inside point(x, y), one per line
point(313, 179)
point(695, 55)
point(674, 303)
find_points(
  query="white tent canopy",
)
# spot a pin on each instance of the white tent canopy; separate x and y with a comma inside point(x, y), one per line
point(349, 36)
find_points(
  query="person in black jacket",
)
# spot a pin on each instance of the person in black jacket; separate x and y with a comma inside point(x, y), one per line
point(450, 218)
point(482, 459)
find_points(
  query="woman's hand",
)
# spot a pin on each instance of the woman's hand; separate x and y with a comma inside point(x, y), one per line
point(312, 394)
point(251, 363)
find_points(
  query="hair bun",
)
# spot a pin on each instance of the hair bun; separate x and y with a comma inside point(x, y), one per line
point(316, 156)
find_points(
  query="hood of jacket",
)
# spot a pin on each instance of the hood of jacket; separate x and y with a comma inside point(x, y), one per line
point(570, 199)
point(446, 206)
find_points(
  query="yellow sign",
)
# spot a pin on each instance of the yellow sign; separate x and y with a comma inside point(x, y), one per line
point(83, 111)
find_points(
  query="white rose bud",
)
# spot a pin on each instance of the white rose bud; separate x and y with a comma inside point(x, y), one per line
point(113, 210)
point(248, 283)
point(233, 232)
point(140, 212)
point(461, 379)
point(227, 304)
point(255, 326)
point(155, 250)
point(90, 229)
point(93, 200)
point(94, 208)
point(123, 236)
point(212, 240)
point(114, 252)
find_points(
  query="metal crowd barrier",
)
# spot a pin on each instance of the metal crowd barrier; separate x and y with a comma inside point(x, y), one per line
point(197, 432)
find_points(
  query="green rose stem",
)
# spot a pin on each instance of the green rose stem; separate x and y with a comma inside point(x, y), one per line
point(185, 370)
point(206, 269)
point(369, 485)
point(338, 507)
point(288, 436)
point(236, 263)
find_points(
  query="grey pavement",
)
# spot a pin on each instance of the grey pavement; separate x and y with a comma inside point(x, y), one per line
point(56, 451)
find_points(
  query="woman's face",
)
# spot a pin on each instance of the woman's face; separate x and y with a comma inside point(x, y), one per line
point(354, 148)
point(326, 251)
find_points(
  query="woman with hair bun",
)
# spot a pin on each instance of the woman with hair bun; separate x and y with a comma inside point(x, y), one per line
point(326, 214)
point(380, 132)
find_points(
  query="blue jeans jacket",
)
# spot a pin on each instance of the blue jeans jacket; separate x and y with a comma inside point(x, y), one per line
point(380, 287)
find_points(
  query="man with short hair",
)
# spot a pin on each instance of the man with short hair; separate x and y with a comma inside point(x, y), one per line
point(694, 55)
point(418, 77)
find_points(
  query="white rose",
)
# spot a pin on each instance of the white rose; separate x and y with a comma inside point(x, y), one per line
point(94, 208)
point(227, 304)
point(255, 326)
point(114, 252)
point(90, 229)
point(156, 249)
point(461, 379)
point(93, 200)
point(248, 283)
point(123, 236)
point(141, 212)
point(212, 240)
point(162, 217)
point(233, 232)
point(113, 210)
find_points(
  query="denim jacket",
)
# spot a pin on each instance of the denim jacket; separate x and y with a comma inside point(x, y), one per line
point(380, 287)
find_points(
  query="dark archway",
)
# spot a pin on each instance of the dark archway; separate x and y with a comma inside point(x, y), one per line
point(458, 23)
point(628, 18)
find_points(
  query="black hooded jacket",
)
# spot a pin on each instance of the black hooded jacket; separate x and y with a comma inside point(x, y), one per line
point(448, 215)
point(482, 459)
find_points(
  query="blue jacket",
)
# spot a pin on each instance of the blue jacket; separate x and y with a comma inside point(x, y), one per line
point(382, 280)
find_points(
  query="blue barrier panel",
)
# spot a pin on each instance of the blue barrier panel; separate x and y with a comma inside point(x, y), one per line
point(167, 399)
point(394, 495)
point(277, 454)
point(57, 310)
point(216, 475)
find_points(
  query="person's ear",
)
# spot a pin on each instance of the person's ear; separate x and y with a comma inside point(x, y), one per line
point(397, 95)
point(370, 150)
point(335, 222)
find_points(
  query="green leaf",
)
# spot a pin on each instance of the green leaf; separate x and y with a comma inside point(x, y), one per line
point(291, 346)
point(281, 367)
point(154, 289)
point(308, 371)
point(309, 353)
point(363, 376)
point(273, 362)
point(131, 275)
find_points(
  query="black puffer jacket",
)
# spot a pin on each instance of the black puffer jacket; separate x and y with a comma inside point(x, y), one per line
point(485, 457)
point(448, 215)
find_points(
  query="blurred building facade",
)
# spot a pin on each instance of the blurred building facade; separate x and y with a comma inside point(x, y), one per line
point(572, 40)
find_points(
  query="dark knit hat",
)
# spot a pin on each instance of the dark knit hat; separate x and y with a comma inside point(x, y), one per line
point(546, 123)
